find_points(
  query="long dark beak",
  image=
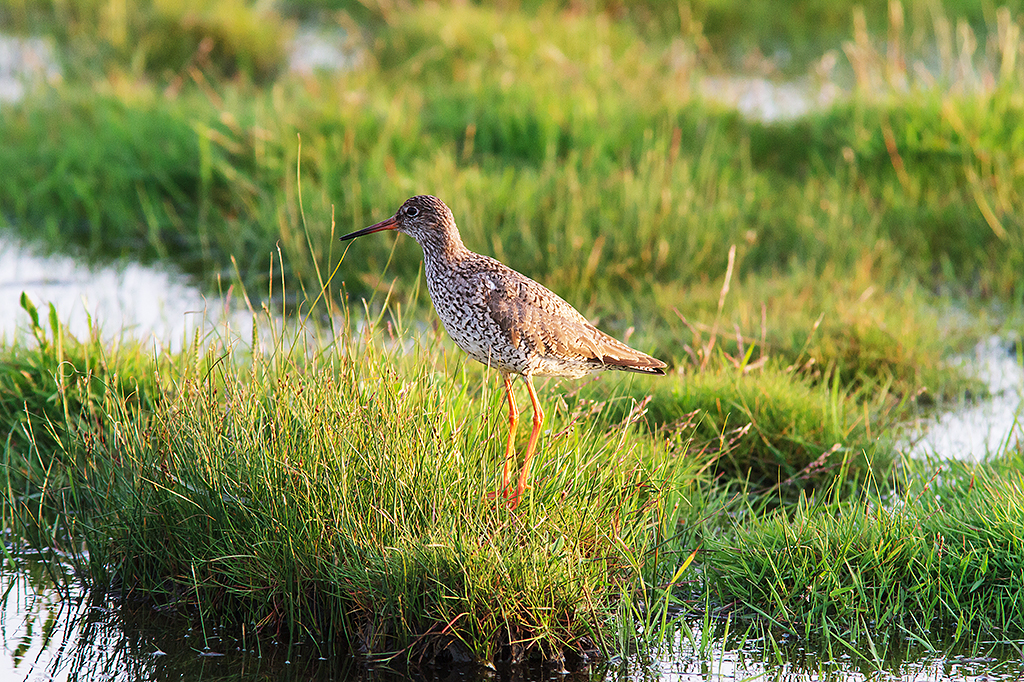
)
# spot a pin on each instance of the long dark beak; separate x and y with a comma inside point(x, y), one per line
point(389, 224)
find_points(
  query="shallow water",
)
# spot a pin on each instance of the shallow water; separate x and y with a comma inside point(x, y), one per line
point(23, 63)
point(49, 636)
point(141, 301)
point(977, 429)
point(322, 48)
point(768, 100)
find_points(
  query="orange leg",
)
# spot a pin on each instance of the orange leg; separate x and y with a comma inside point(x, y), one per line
point(538, 419)
point(513, 419)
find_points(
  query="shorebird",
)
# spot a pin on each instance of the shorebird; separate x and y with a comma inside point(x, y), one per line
point(506, 320)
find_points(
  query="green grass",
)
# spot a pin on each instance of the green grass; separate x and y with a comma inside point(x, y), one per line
point(945, 555)
point(169, 33)
point(576, 152)
point(162, 38)
point(797, 276)
point(771, 427)
point(339, 496)
point(331, 489)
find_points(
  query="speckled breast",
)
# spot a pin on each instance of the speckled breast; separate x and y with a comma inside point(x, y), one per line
point(460, 303)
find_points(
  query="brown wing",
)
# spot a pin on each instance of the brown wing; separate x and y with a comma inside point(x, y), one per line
point(529, 313)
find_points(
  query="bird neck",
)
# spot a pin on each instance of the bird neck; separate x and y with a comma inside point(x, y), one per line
point(441, 247)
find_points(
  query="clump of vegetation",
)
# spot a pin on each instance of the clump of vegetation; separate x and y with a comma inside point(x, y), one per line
point(339, 495)
point(163, 38)
point(947, 552)
point(60, 387)
point(771, 428)
point(342, 497)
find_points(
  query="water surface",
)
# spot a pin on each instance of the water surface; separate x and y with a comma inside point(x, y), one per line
point(49, 635)
point(978, 428)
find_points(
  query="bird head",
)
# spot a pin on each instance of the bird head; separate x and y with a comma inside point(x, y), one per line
point(424, 218)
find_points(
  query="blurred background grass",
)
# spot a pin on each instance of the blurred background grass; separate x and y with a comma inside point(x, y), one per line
point(577, 142)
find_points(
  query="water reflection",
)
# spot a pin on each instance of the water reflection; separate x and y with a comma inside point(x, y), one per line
point(144, 301)
point(322, 48)
point(23, 63)
point(59, 637)
point(980, 428)
point(50, 636)
point(761, 99)
point(793, 660)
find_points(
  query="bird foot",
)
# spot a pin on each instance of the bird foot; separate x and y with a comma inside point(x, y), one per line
point(510, 493)
point(503, 493)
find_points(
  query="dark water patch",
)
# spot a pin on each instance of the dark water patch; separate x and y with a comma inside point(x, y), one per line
point(69, 634)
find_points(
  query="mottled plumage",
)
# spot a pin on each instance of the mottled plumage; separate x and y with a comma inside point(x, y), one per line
point(505, 319)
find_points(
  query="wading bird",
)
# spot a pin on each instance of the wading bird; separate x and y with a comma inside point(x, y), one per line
point(506, 320)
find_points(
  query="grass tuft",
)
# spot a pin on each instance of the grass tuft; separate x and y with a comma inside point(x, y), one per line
point(341, 498)
point(944, 556)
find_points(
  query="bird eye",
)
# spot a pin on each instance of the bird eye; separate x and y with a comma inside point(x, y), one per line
point(412, 211)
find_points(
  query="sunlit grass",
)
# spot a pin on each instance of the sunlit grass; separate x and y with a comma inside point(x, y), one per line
point(945, 555)
point(340, 496)
point(578, 154)
point(333, 489)
point(330, 484)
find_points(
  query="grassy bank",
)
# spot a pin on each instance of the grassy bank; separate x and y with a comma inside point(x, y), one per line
point(332, 490)
point(945, 557)
point(337, 497)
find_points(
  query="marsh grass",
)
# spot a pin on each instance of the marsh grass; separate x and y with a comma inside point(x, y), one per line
point(339, 497)
point(327, 485)
point(162, 38)
point(58, 386)
point(577, 153)
point(942, 556)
